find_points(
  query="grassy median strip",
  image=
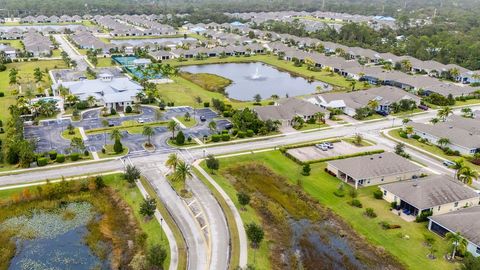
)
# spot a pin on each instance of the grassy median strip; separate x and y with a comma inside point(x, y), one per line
point(130, 127)
point(182, 250)
point(232, 225)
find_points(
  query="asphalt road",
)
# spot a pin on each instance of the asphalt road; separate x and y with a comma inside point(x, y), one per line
point(151, 166)
point(80, 59)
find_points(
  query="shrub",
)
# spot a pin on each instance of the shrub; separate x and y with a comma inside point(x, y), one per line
point(216, 138)
point(415, 136)
point(306, 169)
point(403, 135)
point(226, 114)
point(86, 153)
point(60, 158)
point(353, 193)
point(180, 139)
point(128, 109)
point(356, 203)
point(42, 162)
point(257, 104)
point(206, 104)
point(387, 226)
point(340, 192)
point(2, 94)
point(82, 105)
point(3, 67)
point(225, 137)
point(2, 130)
point(423, 216)
point(113, 111)
point(393, 205)
point(369, 212)
point(1, 123)
point(117, 147)
point(52, 154)
point(74, 156)
point(271, 103)
point(241, 134)
point(250, 133)
point(378, 194)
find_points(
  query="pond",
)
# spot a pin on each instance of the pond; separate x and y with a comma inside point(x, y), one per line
point(136, 42)
point(54, 239)
point(249, 79)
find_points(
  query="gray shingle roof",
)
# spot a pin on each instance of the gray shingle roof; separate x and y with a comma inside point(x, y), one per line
point(377, 165)
point(431, 191)
point(464, 221)
point(287, 109)
point(456, 135)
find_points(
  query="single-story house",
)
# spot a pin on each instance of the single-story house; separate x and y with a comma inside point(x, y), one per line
point(285, 110)
point(108, 91)
point(439, 194)
point(8, 51)
point(463, 134)
point(348, 102)
point(463, 221)
point(373, 169)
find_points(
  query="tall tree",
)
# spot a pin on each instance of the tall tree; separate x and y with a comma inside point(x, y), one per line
point(149, 132)
point(182, 173)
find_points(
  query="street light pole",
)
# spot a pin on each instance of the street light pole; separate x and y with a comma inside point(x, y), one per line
point(161, 227)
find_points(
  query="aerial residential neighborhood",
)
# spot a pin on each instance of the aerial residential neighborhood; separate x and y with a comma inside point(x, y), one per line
point(239, 135)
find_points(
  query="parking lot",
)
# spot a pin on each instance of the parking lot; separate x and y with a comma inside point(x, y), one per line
point(340, 148)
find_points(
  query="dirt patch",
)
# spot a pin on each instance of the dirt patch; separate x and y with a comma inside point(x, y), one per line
point(302, 233)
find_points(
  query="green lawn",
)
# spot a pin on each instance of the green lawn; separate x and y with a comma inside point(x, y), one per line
point(67, 136)
point(110, 153)
point(25, 73)
point(17, 44)
point(130, 126)
point(428, 147)
point(190, 123)
point(308, 126)
point(363, 143)
point(321, 185)
point(104, 62)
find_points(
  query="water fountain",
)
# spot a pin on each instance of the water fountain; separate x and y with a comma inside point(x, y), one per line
point(256, 75)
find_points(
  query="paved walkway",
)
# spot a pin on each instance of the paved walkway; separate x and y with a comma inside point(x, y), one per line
point(168, 232)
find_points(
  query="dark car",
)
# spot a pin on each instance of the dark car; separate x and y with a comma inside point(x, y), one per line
point(382, 113)
point(229, 126)
point(423, 107)
point(203, 118)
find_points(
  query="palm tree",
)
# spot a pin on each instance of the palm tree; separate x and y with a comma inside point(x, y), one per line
point(434, 120)
point(406, 65)
point(467, 112)
point(409, 130)
point(457, 166)
point(212, 126)
point(443, 142)
point(406, 120)
point(353, 84)
point(116, 135)
point(172, 126)
point(182, 172)
point(172, 161)
point(72, 99)
point(148, 131)
point(91, 101)
point(373, 104)
point(444, 113)
point(467, 174)
point(457, 241)
point(320, 116)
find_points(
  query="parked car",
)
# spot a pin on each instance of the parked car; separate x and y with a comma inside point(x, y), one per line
point(111, 124)
point(383, 113)
point(329, 145)
point(322, 146)
point(423, 107)
point(203, 118)
point(229, 126)
point(141, 121)
point(448, 163)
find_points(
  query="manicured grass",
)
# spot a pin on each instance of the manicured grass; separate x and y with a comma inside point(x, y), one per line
point(320, 185)
point(328, 77)
point(190, 123)
point(17, 44)
point(25, 73)
point(131, 127)
point(104, 62)
point(110, 153)
point(308, 126)
point(182, 249)
point(183, 92)
point(430, 148)
point(56, 53)
point(363, 143)
point(67, 136)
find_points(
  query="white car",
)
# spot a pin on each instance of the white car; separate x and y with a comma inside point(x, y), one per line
point(140, 120)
